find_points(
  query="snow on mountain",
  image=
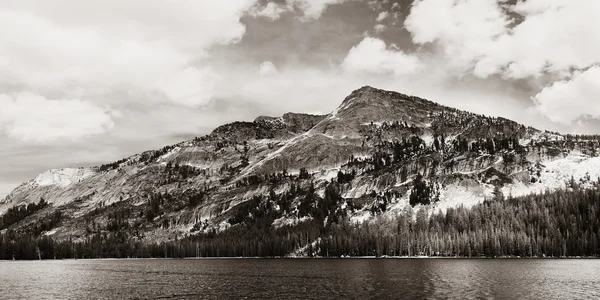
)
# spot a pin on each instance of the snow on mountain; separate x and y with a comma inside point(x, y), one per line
point(557, 174)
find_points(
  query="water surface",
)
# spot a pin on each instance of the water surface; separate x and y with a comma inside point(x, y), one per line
point(301, 278)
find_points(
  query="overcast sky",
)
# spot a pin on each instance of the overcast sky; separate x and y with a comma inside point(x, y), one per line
point(88, 82)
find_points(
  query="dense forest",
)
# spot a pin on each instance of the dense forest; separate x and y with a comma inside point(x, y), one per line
point(18, 213)
point(553, 224)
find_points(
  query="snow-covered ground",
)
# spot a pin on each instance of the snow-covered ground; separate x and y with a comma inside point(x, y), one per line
point(557, 173)
point(327, 175)
point(455, 195)
point(360, 216)
point(450, 196)
point(428, 139)
point(283, 221)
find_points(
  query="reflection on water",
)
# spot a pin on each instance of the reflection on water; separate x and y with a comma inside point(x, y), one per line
point(301, 278)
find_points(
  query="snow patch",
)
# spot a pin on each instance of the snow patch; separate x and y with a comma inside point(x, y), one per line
point(451, 196)
point(524, 142)
point(360, 217)
point(455, 195)
point(51, 232)
point(400, 204)
point(224, 226)
point(428, 139)
point(286, 221)
point(328, 174)
point(557, 173)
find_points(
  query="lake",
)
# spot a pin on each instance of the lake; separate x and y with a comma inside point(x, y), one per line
point(301, 278)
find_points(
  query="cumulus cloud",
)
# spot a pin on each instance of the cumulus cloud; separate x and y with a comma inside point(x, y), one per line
point(309, 9)
point(34, 118)
point(479, 36)
point(190, 86)
point(267, 68)
point(465, 30)
point(58, 47)
point(534, 39)
point(312, 9)
point(382, 16)
point(271, 10)
point(380, 28)
point(372, 55)
point(567, 100)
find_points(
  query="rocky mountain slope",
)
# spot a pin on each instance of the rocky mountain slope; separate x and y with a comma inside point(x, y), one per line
point(378, 153)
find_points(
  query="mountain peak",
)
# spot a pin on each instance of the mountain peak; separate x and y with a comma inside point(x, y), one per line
point(372, 104)
point(368, 88)
point(372, 92)
point(365, 90)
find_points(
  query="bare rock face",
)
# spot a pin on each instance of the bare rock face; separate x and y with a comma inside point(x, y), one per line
point(373, 147)
point(369, 105)
point(302, 122)
point(294, 122)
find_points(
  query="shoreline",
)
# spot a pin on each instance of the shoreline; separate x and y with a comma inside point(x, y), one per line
point(305, 257)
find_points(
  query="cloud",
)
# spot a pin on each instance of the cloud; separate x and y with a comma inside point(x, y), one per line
point(59, 47)
point(309, 9)
point(565, 101)
point(271, 11)
point(380, 28)
point(465, 30)
point(539, 41)
point(312, 9)
point(267, 68)
point(372, 55)
point(34, 118)
point(382, 16)
point(190, 86)
point(479, 36)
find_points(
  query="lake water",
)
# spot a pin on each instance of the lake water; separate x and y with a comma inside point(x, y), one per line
point(301, 278)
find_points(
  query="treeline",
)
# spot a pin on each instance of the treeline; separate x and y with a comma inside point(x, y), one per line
point(553, 224)
point(388, 154)
point(18, 213)
point(158, 202)
point(268, 178)
point(178, 173)
point(145, 158)
point(263, 210)
point(557, 224)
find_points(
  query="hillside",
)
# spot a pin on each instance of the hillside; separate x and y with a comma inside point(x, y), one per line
point(379, 154)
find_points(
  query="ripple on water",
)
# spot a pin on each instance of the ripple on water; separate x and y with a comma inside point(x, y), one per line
point(302, 278)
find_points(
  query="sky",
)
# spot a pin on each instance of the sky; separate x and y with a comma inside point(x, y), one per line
point(88, 82)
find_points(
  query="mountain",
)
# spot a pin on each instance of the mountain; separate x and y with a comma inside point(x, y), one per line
point(380, 153)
